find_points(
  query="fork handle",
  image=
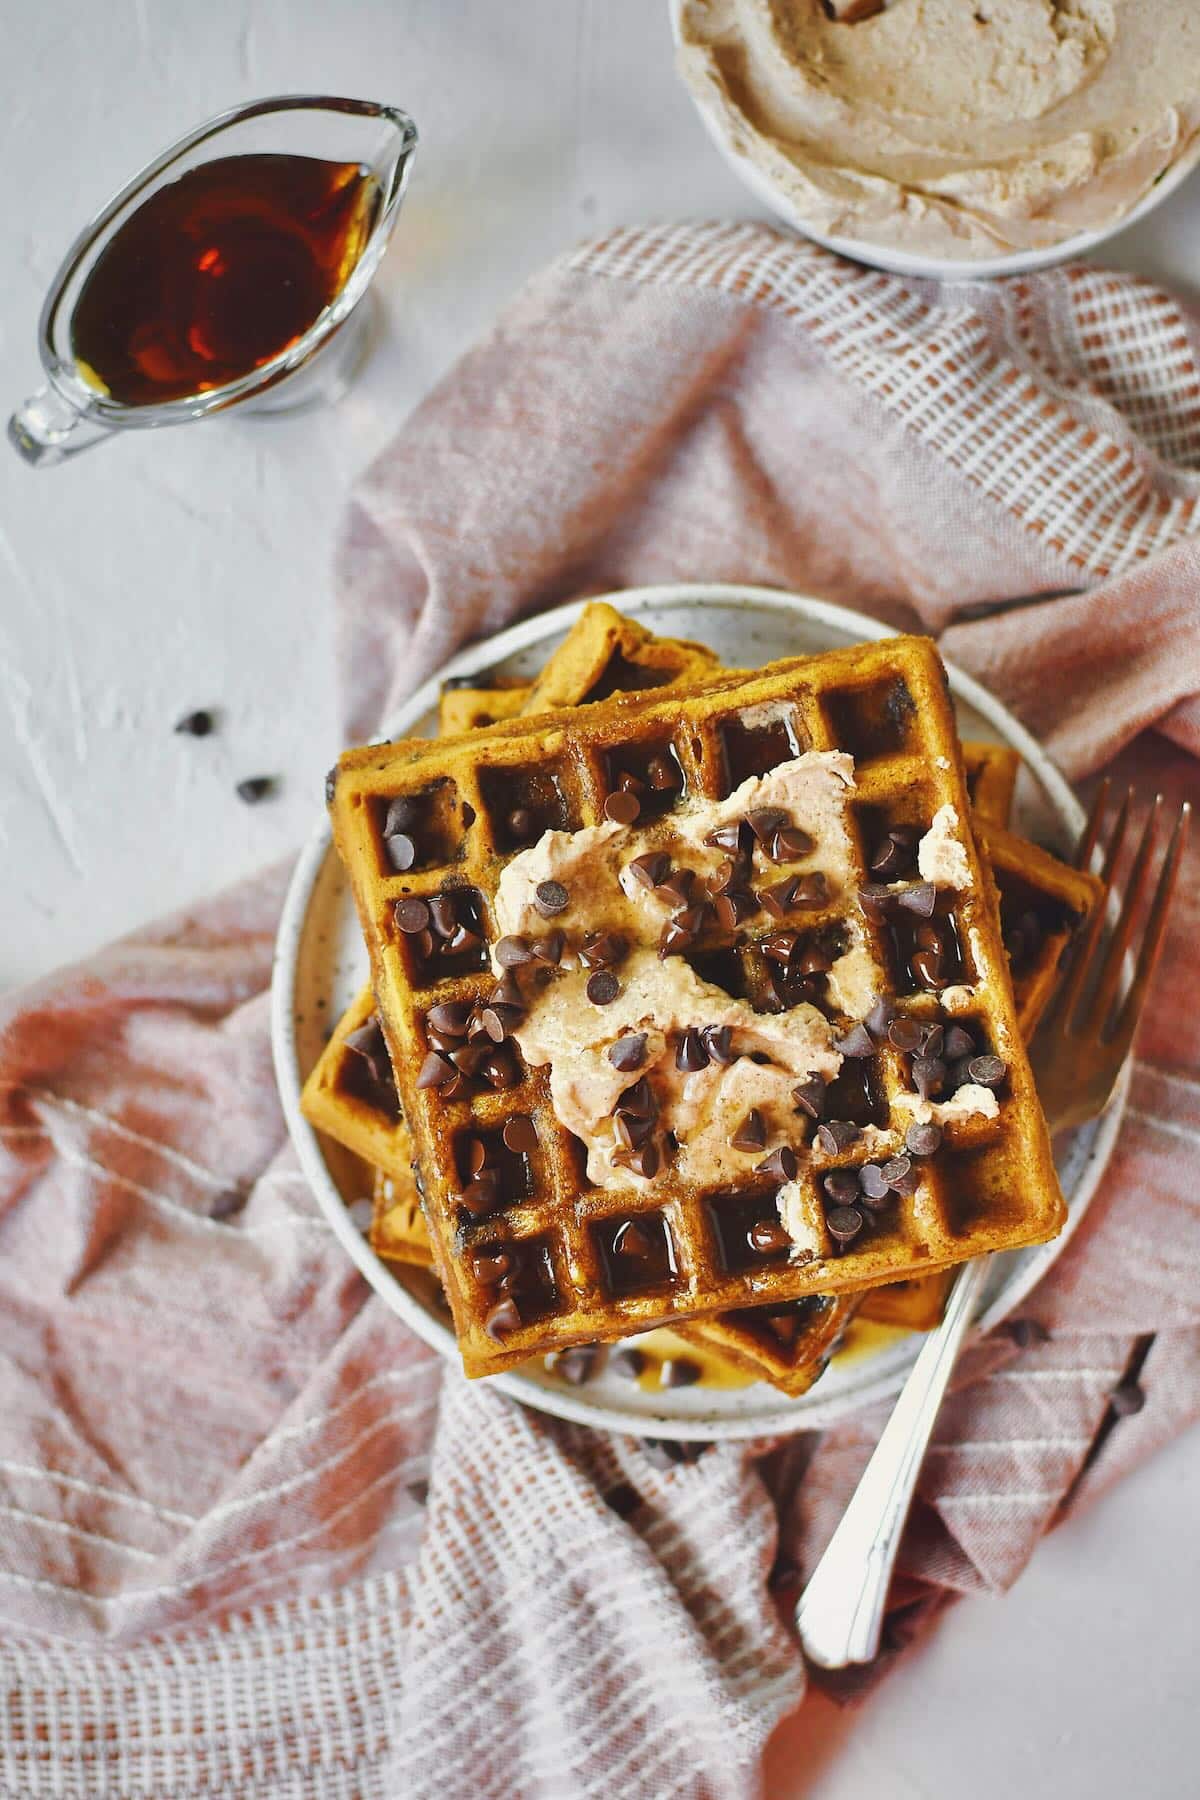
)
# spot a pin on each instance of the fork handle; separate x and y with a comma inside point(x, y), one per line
point(840, 1613)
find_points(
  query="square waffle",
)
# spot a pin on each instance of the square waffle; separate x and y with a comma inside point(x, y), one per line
point(425, 831)
point(991, 772)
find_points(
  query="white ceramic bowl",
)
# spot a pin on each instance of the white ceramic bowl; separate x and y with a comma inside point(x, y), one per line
point(321, 964)
point(901, 262)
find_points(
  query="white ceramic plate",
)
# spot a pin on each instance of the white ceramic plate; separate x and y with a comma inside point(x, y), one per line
point(320, 965)
point(902, 262)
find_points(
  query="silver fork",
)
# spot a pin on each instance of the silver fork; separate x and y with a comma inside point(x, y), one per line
point(1077, 1054)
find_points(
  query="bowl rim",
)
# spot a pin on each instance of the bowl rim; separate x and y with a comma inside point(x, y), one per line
point(790, 1415)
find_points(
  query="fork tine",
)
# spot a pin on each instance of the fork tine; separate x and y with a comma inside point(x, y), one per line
point(1062, 1008)
point(1109, 982)
point(1091, 831)
point(1156, 926)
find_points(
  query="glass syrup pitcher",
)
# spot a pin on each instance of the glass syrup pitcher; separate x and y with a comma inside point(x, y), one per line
point(227, 273)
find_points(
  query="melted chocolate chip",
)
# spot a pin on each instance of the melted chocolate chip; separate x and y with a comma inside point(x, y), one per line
point(502, 1320)
point(718, 1041)
point(603, 950)
point(690, 1053)
point(789, 845)
point(730, 837)
point(519, 1134)
point(435, 1071)
point(651, 869)
point(767, 1237)
point(629, 1052)
point(766, 821)
point(662, 774)
point(522, 825)
point(920, 899)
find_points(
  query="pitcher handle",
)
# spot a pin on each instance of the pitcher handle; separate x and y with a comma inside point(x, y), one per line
point(47, 429)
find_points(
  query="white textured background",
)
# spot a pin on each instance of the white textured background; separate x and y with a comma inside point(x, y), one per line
point(191, 569)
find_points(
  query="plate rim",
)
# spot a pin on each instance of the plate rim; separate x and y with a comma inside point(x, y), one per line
point(792, 1414)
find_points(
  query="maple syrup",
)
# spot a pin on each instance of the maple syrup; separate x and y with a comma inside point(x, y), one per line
point(218, 272)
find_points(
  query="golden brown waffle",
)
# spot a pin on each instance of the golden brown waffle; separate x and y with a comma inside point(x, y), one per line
point(351, 1095)
point(1043, 902)
point(991, 772)
point(604, 653)
point(990, 1185)
point(468, 708)
point(398, 1232)
point(788, 1345)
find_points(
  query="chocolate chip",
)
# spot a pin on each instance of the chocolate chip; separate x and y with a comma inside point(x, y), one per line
point(933, 1040)
point(790, 844)
point(630, 1132)
point(491, 1266)
point(256, 788)
point(630, 784)
point(499, 1071)
point(195, 724)
point(629, 1052)
point(810, 1096)
point(623, 1499)
point(468, 1058)
point(734, 906)
point(874, 1183)
point(367, 1042)
point(906, 1034)
point(837, 1135)
point(421, 945)
point(768, 1237)
point(958, 1044)
point(897, 1169)
point(519, 1134)
point(814, 961)
point(630, 1240)
point(781, 1165)
point(482, 1195)
point(929, 1075)
point(987, 1071)
point(400, 851)
point(662, 773)
point(550, 897)
point(622, 807)
point(603, 950)
point(650, 869)
point(812, 890)
point(766, 821)
point(875, 898)
point(690, 1053)
point(923, 1139)
point(512, 951)
point(679, 1371)
point(730, 837)
point(929, 969)
point(680, 933)
point(844, 1223)
point(643, 1161)
point(402, 813)
point(628, 1363)
point(725, 875)
point(892, 858)
point(780, 947)
point(857, 1042)
point(920, 899)
point(476, 1156)
point(878, 1020)
point(780, 898)
point(677, 888)
point(522, 825)
point(751, 1134)
point(443, 915)
point(1025, 1333)
point(718, 1041)
point(502, 1320)
point(231, 1200)
point(602, 987)
point(435, 1071)
point(549, 949)
point(841, 1186)
point(638, 1101)
point(575, 1365)
point(1127, 1399)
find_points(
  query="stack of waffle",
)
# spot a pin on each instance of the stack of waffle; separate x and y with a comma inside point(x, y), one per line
point(698, 999)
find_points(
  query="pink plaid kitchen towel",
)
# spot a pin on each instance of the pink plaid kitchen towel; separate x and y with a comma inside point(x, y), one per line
point(254, 1540)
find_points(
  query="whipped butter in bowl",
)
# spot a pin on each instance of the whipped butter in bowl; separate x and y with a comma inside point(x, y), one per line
point(928, 134)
